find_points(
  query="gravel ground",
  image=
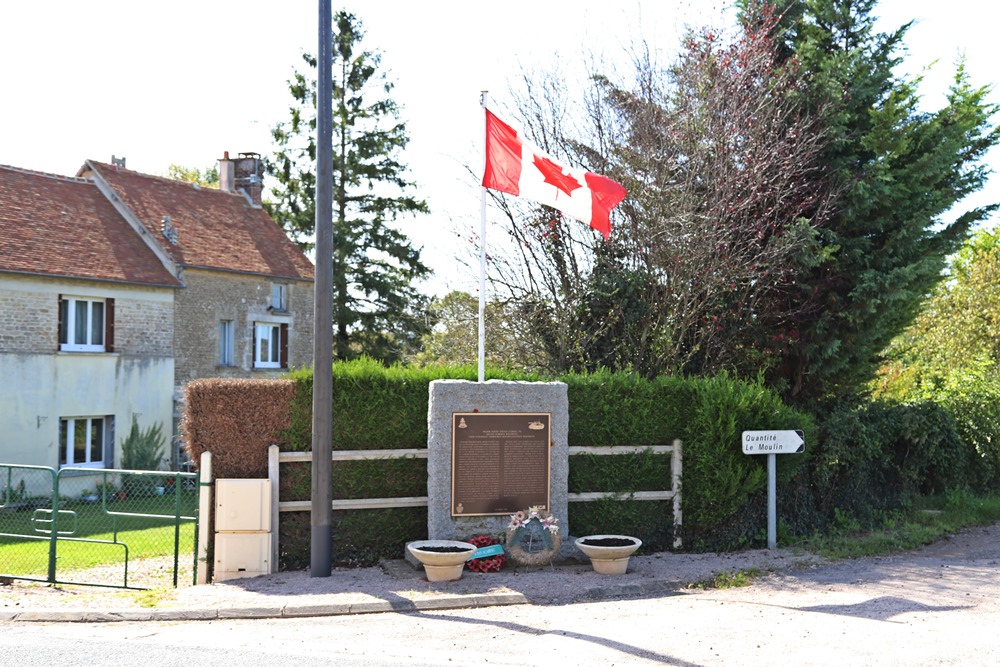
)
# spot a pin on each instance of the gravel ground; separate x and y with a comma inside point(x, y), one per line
point(653, 575)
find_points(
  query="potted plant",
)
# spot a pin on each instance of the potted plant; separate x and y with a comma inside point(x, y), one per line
point(608, 554)
point(533, 537)
point(443, 560)
point(106, 490)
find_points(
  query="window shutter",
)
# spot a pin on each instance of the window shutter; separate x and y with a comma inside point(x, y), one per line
point(59, 325)
point(283, 343)
point(255, 355)
point(109, 441)
point(109, 325)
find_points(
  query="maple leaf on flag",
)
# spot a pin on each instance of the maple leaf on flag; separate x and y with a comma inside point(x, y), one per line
point(519, 168)
point(554, 175)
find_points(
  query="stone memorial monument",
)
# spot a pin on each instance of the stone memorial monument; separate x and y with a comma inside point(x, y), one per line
point(494, 448)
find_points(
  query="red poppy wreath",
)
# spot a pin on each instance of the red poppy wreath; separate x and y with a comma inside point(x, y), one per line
point(489, 563)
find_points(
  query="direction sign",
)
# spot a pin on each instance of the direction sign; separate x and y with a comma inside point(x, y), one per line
point(773, 442)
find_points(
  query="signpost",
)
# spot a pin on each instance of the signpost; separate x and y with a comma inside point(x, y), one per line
point(771, 443)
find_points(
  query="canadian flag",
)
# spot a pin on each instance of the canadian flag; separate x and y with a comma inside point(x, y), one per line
point(517, 167)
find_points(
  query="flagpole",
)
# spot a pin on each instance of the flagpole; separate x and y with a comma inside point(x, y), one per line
point(482, 255)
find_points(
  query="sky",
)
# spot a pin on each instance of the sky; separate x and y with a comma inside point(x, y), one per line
point(181, 82)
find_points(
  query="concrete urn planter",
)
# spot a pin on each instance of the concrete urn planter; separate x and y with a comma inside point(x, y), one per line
point(608, 554)
point(443, 560)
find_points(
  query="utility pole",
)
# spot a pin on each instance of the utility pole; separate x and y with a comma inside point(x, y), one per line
point(322, 417)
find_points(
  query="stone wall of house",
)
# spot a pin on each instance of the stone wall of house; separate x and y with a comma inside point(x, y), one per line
point(42, 385)
point(143, 315)
point(209, 297)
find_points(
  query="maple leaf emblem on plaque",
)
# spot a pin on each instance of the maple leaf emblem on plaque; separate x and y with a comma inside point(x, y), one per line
point(553, 174)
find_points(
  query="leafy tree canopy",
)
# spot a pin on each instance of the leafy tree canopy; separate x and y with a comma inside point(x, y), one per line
point(207, 177)
point(955, 340)
point(726, 192)
point(454, 338)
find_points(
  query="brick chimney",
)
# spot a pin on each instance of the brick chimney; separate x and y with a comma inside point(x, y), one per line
point(245, 174)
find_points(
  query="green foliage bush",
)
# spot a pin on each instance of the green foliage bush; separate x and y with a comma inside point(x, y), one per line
point(719, 480)
point(873, 457)
point(975, 410)
point(387, 405)
point(143, 449)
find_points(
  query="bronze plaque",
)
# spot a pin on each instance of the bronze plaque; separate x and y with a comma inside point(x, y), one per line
point(499, 462)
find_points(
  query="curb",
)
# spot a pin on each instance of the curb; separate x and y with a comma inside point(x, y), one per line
point(286, 611)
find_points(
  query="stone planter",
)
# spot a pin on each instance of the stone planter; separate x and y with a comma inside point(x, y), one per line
point(608, 554)
point(443, 560)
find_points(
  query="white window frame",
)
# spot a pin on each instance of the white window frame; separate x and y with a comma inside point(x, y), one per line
point(72, 427)
point(68, 338)
point(279, 297)
point(227, 343)
point(267, 345)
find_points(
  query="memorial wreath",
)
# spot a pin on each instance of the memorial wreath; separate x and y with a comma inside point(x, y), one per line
point(533, 537)
point(493, 563)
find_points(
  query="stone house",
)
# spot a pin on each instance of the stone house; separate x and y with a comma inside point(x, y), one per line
point(119, 287)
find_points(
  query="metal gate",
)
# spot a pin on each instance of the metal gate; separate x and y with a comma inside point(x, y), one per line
point(98, 527)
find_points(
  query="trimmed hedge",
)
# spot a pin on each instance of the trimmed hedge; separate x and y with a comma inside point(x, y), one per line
point(237, 420)
point(862, 459)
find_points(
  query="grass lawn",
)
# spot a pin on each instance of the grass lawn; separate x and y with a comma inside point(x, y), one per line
point(85, 527)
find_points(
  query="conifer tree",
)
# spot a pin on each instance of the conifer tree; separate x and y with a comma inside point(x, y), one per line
point(897, 170)
point(377, 309)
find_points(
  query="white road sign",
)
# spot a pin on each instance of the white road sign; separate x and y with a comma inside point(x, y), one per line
point(773, 442)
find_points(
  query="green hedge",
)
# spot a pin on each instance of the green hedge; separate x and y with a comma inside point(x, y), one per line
point(863, 459)
point(388, 409)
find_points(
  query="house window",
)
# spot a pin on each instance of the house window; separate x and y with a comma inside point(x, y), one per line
point(270, 345)
point(86, 441)
point(279, 297)
point(226, 343)
point(86, 324)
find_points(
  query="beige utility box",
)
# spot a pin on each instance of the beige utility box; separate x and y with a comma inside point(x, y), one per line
point(242, 505)
point(242, 528)
point(241, 555)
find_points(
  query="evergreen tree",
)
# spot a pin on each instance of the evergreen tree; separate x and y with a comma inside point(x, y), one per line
point(377, 311)
point(895, 169)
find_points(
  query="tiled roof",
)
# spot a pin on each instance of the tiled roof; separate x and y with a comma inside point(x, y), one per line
point(58, 226)
point(215, 229)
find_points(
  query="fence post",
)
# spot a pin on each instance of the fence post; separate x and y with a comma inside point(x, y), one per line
point(273, 473)
point(54, 526)
point(204, 514)
point(676, 465)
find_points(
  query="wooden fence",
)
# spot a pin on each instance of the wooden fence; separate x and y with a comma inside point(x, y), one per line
point(275, 457)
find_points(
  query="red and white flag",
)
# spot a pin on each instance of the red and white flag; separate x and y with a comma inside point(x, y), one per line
point(517, 167)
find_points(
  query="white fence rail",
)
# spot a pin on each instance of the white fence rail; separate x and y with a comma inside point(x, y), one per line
point(276, 457)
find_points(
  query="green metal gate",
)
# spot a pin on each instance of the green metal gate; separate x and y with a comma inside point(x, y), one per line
point(98, 527)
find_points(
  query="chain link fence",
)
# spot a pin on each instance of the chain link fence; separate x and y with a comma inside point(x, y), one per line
point(122, 528)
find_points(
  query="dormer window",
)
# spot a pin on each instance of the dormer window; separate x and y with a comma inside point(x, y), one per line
point(279, 297)
point(85, 324)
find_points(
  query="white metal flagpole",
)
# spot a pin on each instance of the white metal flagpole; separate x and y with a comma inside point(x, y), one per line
point(482, 255)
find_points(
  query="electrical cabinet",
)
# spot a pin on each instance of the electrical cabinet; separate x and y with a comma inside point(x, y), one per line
point(241, 555)
point(242, 505)
point(242, 528)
